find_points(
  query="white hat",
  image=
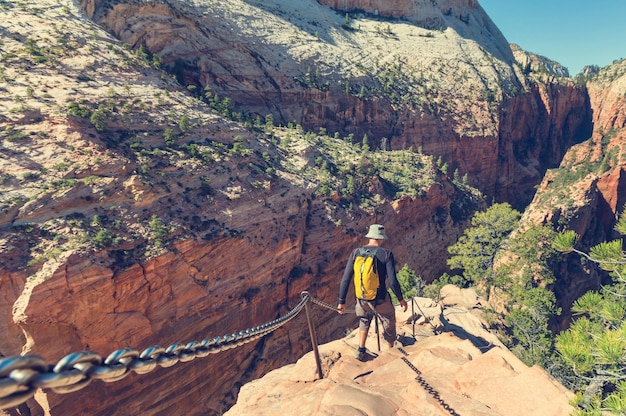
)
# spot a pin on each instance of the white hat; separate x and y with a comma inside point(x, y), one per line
point(376, 232)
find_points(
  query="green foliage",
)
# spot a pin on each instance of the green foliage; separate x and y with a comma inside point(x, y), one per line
point(528, 326)
point(587, 304)
point(365, 143)
point(524, 280)
point(565, 242)
point(574, 347)
point(519, 280)
point(99, 119)
point(157, 230)
point(475, 251)
point(269, 123)
point(594, 346)
point(78, 110)
point(169, 136)
point(221, 106)
point(183, 123)
point(432, 290)
point(608, 255)
point(411, 284)
point(13, 134)
point(239, 147)
point(104, 238)
point(348, 175)
point(534, 258)
point(616, 403)
point(63, 183)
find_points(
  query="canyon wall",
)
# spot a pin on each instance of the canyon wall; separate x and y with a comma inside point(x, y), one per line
point(318, 70)
point(202, 289)
point(587, 192)
point(242, 244)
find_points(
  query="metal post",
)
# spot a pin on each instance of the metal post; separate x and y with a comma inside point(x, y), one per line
point(313, 339)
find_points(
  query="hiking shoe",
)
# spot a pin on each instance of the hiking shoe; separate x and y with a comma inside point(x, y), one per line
point(360, 354)
point(398, 343)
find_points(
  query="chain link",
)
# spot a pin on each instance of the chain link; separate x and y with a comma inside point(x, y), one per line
point(21, 376)
point(324, 304)
point(427, 386)
point(329, 306)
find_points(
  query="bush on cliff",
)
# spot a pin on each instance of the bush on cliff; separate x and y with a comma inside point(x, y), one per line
point(513, 270)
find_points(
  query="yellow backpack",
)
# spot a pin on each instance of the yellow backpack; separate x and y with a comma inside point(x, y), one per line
point(366, 280)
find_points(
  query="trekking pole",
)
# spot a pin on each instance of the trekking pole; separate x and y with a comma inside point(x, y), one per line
point(413, 315)
point(377, 333)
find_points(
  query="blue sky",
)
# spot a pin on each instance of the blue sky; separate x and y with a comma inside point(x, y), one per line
point(574, 33)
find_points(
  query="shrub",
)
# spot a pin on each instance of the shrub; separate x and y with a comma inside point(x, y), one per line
point(78, 110)
point(169, 136)
point(411, 284)
point(99, 119)
point(103, 238)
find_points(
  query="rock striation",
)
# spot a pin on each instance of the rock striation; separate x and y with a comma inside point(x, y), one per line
point(112, 237)
point(160, 224)
point(587, 192)
point(437, 76)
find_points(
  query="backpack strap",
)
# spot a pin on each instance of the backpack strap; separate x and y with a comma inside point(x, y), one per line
point(374, 250)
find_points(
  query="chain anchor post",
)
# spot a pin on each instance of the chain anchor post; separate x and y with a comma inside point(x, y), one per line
point(309, 320)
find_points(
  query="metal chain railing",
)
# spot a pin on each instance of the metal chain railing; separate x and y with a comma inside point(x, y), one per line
point(429, 389)
point(21, 376)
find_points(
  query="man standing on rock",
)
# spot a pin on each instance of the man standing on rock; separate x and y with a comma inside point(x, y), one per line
point(385, 266)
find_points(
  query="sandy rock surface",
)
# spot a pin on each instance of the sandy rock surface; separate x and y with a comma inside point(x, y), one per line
point(461, 368)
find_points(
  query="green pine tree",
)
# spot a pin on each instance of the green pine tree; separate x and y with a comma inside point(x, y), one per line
point(594, 346)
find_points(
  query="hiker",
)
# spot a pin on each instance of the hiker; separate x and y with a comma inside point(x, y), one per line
point(379, 302)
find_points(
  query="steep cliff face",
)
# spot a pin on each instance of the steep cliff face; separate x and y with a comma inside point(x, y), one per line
point(606, 92)
point(238, 256)
point(588, 191)
point(202, 289)
point(537, 63)
point(134, 215)
point(419, 82)
point(157, 221)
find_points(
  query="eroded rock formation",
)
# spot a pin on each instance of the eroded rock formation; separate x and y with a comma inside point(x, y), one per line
point(586, 193)
point(113, 238)
point(416, 84)
point(241, 244)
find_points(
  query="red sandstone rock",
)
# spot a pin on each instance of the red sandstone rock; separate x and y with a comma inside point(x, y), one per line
point(504, 146)
point(282, 237)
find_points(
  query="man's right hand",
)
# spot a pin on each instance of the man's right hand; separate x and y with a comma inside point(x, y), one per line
point(341, 308)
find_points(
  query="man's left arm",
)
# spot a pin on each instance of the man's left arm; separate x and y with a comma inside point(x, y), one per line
point(393, 281)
